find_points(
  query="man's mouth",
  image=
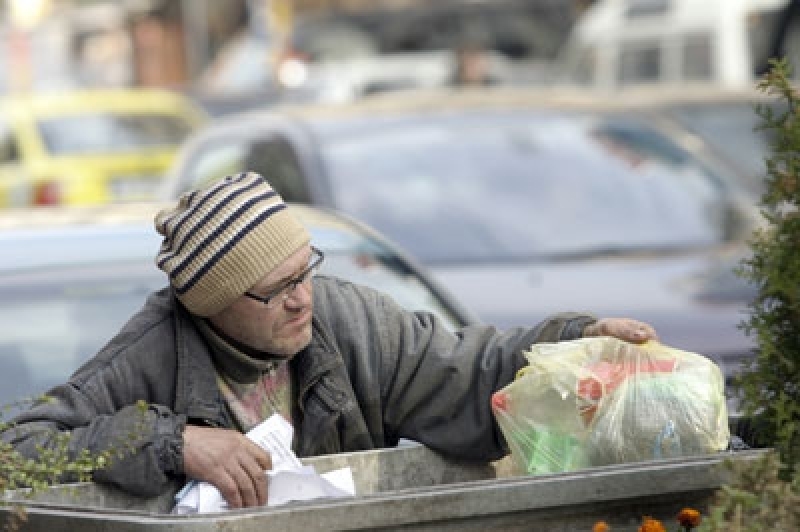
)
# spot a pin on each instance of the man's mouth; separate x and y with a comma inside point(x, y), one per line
point(301, 318)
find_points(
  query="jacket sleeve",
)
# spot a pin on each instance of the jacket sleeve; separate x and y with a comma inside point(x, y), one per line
point(100, 409)
point(145, 441)
point(437, 384)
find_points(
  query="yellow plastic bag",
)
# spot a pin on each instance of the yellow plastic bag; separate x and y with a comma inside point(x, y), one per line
point(599, 401)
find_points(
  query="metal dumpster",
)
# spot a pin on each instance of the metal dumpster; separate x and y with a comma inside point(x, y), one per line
point(413, 488)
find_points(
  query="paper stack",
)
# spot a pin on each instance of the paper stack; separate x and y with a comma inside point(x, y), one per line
point(288, 480)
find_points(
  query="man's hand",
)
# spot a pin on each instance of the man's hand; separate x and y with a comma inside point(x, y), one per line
point(625, 329)
point(229, 461)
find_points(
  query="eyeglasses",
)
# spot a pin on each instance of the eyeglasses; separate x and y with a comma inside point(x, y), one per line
point(280, 295)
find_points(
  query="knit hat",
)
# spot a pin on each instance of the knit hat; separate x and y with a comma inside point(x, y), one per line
point(219, 241)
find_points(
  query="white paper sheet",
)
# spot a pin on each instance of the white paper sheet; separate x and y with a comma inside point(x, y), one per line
point(289, 480)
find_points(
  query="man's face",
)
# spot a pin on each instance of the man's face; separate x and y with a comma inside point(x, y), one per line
point(284, 326)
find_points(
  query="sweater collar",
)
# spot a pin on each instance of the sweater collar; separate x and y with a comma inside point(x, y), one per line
point(241, 362)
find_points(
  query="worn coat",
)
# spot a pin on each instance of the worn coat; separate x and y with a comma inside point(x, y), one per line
point(372, 374)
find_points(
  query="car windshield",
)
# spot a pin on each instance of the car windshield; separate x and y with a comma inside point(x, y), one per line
point(732, 130)
point(367, 262)
point(516, 186)
point(109, 133)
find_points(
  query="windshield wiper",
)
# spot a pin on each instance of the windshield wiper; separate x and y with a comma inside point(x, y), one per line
point(621, 251)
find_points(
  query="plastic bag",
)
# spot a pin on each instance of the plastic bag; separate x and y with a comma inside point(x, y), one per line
point(599, 401)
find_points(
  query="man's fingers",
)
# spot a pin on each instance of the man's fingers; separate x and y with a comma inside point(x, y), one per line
point(258, 478)
point(644, 332)
point(229, 489)
point(261, 456)
point(230, 461)
point(636, 331)
point(261, 489)
point(623, 328)
point(258, 462)
point(245, 487)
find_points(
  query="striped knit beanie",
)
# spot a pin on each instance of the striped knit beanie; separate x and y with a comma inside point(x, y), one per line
point(221, 240)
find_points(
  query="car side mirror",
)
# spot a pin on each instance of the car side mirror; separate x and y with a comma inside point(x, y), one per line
point(739, 220)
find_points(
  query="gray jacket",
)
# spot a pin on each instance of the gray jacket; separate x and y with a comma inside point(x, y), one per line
point(372, 374)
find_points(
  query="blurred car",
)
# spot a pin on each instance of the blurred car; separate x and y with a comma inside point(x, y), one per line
point(620, 43)
point(70, 278)
point(90, 146)
point(522, 203)
point(361, 48)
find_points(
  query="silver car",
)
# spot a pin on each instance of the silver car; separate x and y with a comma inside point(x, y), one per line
point(70, 278)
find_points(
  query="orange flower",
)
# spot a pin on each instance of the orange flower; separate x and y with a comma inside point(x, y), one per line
point(651, 525)
point(601, 526)
point(689, 518)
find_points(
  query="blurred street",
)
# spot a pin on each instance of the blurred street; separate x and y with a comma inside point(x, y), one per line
point(527, 156)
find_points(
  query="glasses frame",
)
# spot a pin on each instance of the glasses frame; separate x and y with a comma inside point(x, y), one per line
point(284, 292)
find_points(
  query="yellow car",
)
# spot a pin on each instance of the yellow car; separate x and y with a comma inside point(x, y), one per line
point(90, 146)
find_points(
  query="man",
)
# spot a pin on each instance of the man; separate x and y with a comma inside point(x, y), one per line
point(243, 332)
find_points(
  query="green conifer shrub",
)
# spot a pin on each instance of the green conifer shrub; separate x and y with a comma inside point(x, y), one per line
point(765, 494)
point(769, 388)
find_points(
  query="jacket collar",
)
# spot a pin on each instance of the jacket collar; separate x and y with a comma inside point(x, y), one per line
point(233, 359)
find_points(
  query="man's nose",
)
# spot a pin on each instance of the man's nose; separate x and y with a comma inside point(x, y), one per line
point(299, 296)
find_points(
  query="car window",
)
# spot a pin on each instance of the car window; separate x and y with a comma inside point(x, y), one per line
point(9, 151)
point(273, 158)
point(696, 62)
point(646, 8)
point(761, 26)
point(333, 40)
point(789, 46)
point(102, 133)
point(276, 160)
point(581, 61)
point(213, 160)
point(640, 62)
point(514, 187)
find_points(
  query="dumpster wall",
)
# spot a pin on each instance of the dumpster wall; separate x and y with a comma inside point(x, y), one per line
point(413, 488)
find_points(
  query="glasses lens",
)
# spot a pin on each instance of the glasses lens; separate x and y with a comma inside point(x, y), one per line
point(277, 298)
point(286, 292)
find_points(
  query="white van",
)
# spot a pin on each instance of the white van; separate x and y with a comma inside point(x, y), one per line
point(618, 43)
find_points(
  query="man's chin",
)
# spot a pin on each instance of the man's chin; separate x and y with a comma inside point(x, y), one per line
point(292, 346)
